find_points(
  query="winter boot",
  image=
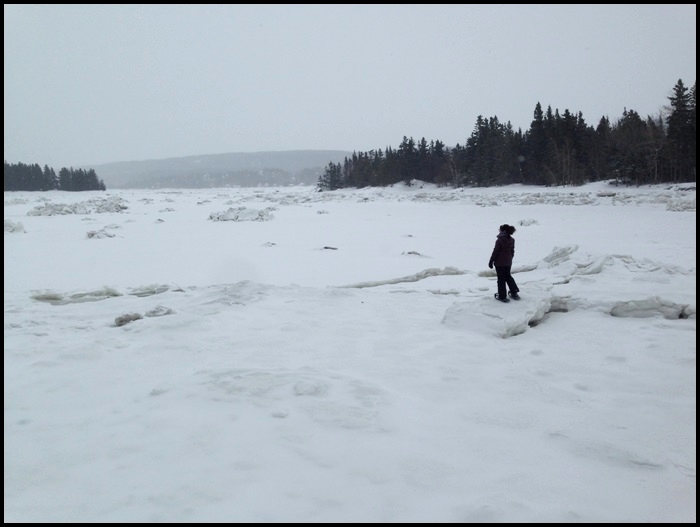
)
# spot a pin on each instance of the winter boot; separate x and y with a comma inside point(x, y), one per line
point(504, 300)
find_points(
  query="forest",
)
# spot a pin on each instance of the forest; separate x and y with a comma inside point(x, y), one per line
point(558, 149)
point(21, 176)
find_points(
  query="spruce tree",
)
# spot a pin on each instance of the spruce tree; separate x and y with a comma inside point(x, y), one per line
point(681, 133)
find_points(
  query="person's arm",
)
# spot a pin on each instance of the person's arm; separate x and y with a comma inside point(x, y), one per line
point(494, 253)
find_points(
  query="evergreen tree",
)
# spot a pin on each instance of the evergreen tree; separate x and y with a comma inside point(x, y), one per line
point(628, 139)
point(440, 164)
point(682, 133)
point(49, 178)
point(330, 179)
point(408, 160)
point(600, 150)
point(423, 171)
point(65, 179)
point(535, 149)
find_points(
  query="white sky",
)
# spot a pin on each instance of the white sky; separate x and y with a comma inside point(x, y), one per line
point(92, 84)
point(344, 360)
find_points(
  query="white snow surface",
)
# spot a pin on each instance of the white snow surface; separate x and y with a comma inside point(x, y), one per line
point(289, 355)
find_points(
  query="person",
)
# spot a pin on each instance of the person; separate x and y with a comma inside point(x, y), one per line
point(502, 259)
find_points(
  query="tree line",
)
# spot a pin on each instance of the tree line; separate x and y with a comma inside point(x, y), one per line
point(558, 149)
point(32, 177)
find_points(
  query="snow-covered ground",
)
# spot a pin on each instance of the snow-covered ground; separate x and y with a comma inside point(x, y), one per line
point(288, 355)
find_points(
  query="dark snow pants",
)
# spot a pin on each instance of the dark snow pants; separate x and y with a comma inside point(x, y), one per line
point(503, 277)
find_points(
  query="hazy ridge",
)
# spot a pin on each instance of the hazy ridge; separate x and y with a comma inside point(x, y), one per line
point(252, 169)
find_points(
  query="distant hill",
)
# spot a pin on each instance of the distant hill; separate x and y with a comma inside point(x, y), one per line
point(296, 167)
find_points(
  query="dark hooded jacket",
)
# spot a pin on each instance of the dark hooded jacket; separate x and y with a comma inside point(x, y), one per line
point(503, 252)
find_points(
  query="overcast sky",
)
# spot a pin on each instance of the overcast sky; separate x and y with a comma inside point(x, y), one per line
point(89, 84)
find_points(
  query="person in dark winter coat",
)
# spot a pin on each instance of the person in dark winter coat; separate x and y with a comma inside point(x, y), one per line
point(502, 259)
